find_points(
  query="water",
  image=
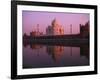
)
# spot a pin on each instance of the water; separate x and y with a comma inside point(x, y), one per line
point(43, 55)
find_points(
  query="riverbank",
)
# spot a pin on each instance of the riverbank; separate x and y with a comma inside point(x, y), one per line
point(64, 42)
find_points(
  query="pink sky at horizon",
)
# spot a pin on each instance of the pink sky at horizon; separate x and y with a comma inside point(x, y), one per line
point(30, 19)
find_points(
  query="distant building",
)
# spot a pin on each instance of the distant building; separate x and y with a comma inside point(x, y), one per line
point(34, 33)
point(25, 35)
point(84, 30)
point(55, 28)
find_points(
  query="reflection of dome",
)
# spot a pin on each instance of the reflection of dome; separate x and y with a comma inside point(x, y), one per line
point(56, 52)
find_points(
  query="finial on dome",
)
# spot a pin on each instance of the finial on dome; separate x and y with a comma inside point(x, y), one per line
point(54, 21)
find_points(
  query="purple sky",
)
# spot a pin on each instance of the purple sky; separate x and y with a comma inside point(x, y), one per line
point(30, 19)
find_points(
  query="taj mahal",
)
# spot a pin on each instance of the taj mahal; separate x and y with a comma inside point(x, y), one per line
point(55, 28)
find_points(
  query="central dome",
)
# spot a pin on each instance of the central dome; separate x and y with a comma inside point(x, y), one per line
point(55, 22)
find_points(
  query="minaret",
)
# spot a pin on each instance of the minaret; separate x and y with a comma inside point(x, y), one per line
point(37, 27)
point(71, 29)
point(71, 33)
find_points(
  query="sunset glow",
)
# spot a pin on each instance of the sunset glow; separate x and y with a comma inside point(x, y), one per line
point(30, 19)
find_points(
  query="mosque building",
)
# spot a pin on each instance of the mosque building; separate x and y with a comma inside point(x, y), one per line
point(55, 28)
point(36, 32)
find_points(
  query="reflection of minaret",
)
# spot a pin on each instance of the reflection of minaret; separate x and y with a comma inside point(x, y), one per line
point(71, 50)
point(70, 34)
point(38, 51)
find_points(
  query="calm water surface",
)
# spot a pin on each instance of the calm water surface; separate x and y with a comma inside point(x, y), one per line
point(40, 56)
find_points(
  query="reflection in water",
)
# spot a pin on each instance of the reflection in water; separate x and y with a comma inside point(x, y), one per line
point(55, 51)
point(32, 46)
point(84, 51)
point(39, 56)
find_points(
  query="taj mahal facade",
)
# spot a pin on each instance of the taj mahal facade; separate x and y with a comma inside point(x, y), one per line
point(55, 28)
